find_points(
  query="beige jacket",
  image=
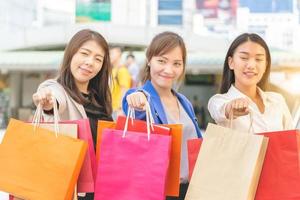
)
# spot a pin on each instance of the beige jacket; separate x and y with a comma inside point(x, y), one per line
point(68, 109)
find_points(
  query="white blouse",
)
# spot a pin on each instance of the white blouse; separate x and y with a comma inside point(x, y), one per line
point(276, 116)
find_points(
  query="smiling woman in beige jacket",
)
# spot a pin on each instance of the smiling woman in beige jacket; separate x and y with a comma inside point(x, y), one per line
point(82, 87)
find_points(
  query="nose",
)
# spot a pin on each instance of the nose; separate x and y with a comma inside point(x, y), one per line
point(89, 60)
point(251, 64)
point(168, 68)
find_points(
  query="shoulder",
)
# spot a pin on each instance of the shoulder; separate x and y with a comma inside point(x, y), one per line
point(184, 100)
point(275, 97)
point(183, 97)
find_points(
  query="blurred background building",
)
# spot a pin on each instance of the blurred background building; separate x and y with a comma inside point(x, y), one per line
point(35, 32)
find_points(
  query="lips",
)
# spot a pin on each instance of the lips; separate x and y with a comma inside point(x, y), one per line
point(250, 74)
point(85, 70)
point(167, 77)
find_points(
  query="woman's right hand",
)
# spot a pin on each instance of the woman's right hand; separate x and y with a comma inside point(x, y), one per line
point(237, 107)
point(43, 97)
point(137, 100)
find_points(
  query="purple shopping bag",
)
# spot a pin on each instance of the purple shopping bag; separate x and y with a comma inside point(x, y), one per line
point(88, 170)
point(132, 167)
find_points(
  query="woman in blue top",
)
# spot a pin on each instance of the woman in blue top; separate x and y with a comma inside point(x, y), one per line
point(165, 67)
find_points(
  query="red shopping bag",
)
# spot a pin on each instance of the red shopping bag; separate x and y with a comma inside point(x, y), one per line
point(193, 151)
point(132, 167)
point(88, 171)
point(140, 126)
point(280, 176)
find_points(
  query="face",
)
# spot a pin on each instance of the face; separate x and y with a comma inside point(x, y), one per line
point(87, 62)
point(167, 68)
point(248, 63)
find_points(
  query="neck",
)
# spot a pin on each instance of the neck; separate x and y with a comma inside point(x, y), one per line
point(82, 87)
point(251, 92)
point(163, 92)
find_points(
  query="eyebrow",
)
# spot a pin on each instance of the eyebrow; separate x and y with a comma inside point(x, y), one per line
point(168, 59)
point(259, 54)
point(90, 51)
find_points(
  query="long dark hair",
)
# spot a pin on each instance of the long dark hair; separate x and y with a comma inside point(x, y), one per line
point(228, 74)
point(161, 44)
point(99, 85)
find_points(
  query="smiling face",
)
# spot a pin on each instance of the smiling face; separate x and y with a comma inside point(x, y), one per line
point(167, 68)
point(248, 63)
point(86, 63)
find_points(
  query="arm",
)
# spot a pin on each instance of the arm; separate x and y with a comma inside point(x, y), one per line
point(57, 91)
point(221, 107)
point(216, 107)
point(135, 98)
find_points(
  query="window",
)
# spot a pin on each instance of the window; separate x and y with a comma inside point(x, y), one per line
point(170, 12)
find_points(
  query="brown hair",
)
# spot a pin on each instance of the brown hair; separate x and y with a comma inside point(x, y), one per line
point(228, 75)
point(98, 85)
point(161, 44)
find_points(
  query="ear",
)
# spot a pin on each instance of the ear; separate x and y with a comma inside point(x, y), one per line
point(230, 63)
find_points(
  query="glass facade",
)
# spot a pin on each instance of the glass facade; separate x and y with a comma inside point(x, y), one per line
point(170, 12)
point(268, 6)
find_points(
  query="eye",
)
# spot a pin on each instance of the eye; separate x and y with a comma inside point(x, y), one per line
point(99, 60)
point(161, 61)
point(177, 64)
point(84, 53)
point(244, 58)
point(259, 59)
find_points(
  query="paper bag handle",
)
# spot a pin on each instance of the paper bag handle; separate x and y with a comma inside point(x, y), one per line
point(251, 120)
point(38, 116)
point(149, 120)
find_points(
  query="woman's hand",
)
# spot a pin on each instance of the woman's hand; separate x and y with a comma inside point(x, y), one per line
point(137, 100)
point(43, 97)
point(237, 107)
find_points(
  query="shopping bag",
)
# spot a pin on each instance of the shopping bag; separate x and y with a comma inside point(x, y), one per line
point(193, 151)
point(140, 126)
point(38, 163)
point(280, 176)
point(132, 167)
point(88, 171)
point(101, 125)
point(175, 130)
point(228, 165)
point(173, 178)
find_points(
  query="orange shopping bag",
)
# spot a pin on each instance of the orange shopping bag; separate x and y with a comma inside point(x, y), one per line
point(100, 127)
point(173, 179)
point(36, 164)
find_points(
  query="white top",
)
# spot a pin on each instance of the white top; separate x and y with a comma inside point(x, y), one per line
point(276, 116)
point(188, 132)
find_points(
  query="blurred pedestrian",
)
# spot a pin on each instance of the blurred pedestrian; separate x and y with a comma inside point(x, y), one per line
point(121, 80)
point(133, 69)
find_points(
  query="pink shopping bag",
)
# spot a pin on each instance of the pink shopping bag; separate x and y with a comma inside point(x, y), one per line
point(132, 167)
point(88, 171)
